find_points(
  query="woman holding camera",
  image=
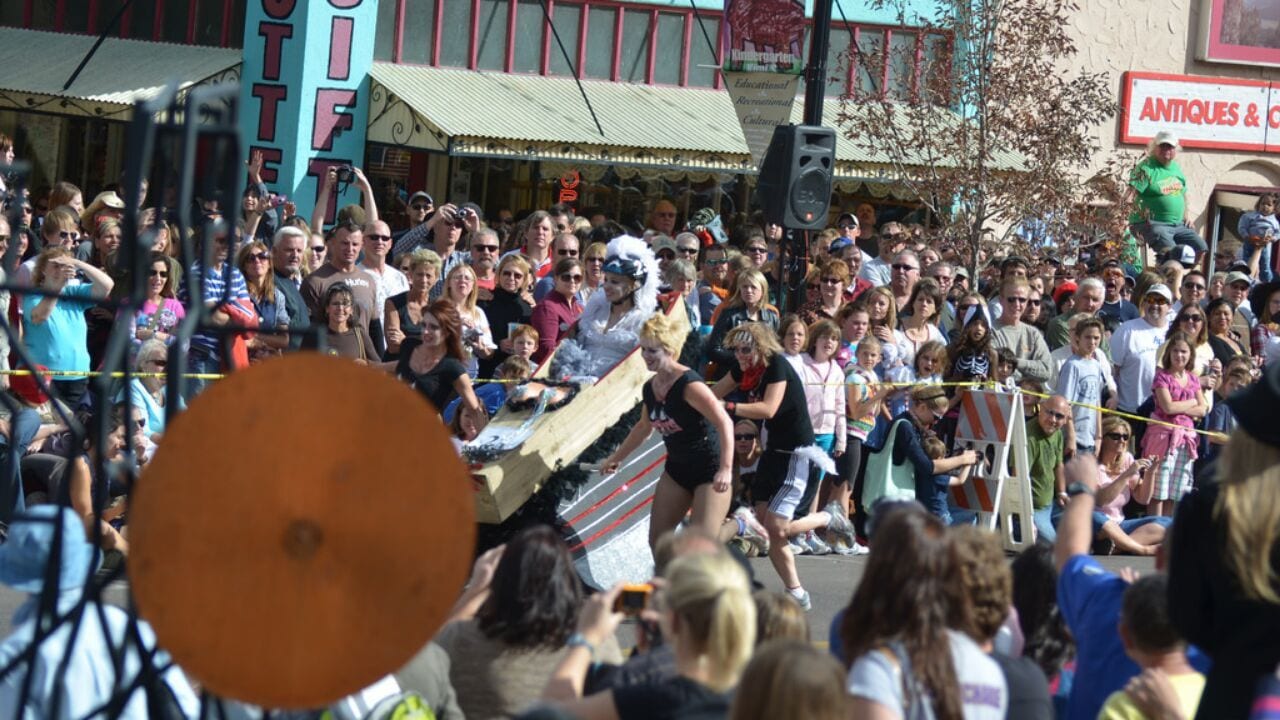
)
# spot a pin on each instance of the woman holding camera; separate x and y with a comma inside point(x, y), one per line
point(706, 613)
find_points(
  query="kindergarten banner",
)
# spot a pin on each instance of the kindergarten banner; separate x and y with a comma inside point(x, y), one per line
point(763, 36)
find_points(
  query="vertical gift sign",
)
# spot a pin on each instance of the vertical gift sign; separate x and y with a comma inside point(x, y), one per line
point(762, 41)
point(304, 92)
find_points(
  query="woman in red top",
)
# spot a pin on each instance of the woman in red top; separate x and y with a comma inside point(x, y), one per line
point(559, 310)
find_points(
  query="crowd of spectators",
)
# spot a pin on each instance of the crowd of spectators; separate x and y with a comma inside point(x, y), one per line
point(1134, 380)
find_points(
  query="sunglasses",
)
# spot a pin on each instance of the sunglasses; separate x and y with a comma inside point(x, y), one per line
point(567, 253)
point(1157, 301)
point(904, 267)
point(379, 238)
point(1035, 301)
point(419, 207)
point(485, 248)
point(340, 304)
point(714, 263)
point(259, 256)
point(1191, 318)
point(848, 226)
point(68, 235)
point(1192, 286)
point(687, 250)
point(570, 277)
point(317, 249)
point(667, 254)
point(513, 274)
point(1016, 300)
point(831, 281)
point(744, 437)
point(744, 350)
point(757, 250)
point(158, 273)
point(594, 259)
point(1118, 437)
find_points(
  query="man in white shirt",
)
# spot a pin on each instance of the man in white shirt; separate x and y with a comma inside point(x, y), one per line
point(391, 282)
point(1134, 345)
point(878, 270)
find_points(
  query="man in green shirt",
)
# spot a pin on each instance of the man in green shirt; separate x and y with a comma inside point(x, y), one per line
point(1045, 453)
point(1159, 192)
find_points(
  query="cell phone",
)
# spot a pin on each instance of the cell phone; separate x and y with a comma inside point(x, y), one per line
point(278, 200)
point(634, 599)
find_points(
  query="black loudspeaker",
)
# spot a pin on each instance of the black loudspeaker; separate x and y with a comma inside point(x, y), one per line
point(795, 178)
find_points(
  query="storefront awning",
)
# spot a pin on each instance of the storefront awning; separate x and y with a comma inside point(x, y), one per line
point(37, 64)
point(529, 117)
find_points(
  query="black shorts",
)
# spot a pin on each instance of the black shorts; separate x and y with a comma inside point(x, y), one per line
point(692, 470)
point(781, 479)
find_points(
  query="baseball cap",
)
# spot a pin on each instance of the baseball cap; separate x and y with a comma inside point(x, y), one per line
point(1160, 289)
point(839, 244)
point(1184, 255)
point(1165, 137)
point(847, 218)
point(662, 242)
point(421, 195)
point(1237, 276)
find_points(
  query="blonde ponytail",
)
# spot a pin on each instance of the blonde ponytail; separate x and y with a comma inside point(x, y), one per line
point(712, 597)
point(1249, 507)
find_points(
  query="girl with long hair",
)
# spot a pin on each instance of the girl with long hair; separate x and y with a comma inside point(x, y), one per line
point(461, 289)
point(434, 363)
point(748, 303)
point(903, 631)
point(695, 430)
point(254, 261)
point(882, 313)
point(1179, 404)
point(921, 326)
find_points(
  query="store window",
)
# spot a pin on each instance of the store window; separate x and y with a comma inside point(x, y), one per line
point(902, 64)
point(455, 44)
point(565, 18)
point(703, 55)
point(600, 45)
point(491, 40)
point(187, 22)
point(634, 61)
point(384, 36)
point(418, 30)
point(666, 64)
point(528, 38)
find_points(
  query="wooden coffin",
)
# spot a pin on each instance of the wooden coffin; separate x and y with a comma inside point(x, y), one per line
point(560, 436)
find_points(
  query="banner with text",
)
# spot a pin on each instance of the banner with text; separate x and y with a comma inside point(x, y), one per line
point(304, 95)
point(1219, 113)
point(763, 102)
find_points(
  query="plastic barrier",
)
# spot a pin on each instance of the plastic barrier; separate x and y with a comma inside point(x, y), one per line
point(999, 488)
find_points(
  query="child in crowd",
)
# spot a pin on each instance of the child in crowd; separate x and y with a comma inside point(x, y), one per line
point(934, 496)
point(509, 373)
point(1260, 229)
point(865, 413)
point(1179, 403)
point(854, 323)
point(1151, 641)
point(524, 341)
point(971, 358)
point(926, 369)
point(1006, 366)
point(1080, 382)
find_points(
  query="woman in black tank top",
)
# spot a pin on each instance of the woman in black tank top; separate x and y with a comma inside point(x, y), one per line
point(695, 428)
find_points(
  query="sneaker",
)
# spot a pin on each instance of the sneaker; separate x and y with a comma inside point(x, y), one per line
point(839, 523)
point(806, 603)
point(816, 545)
point(796, 547)
point(755, 534)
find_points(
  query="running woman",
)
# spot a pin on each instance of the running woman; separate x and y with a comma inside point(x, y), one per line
point(696, 430)
point(773, 392)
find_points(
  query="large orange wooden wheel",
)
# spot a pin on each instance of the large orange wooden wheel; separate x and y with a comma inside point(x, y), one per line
point(303, 530)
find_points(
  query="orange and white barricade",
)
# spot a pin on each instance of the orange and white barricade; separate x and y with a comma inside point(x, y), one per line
point(999, 488)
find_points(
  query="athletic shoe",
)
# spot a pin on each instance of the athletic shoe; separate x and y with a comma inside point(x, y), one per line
point(755, 532)
point(796, 547)
point(806, 603)
point(816, 546)
point(839, 523)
